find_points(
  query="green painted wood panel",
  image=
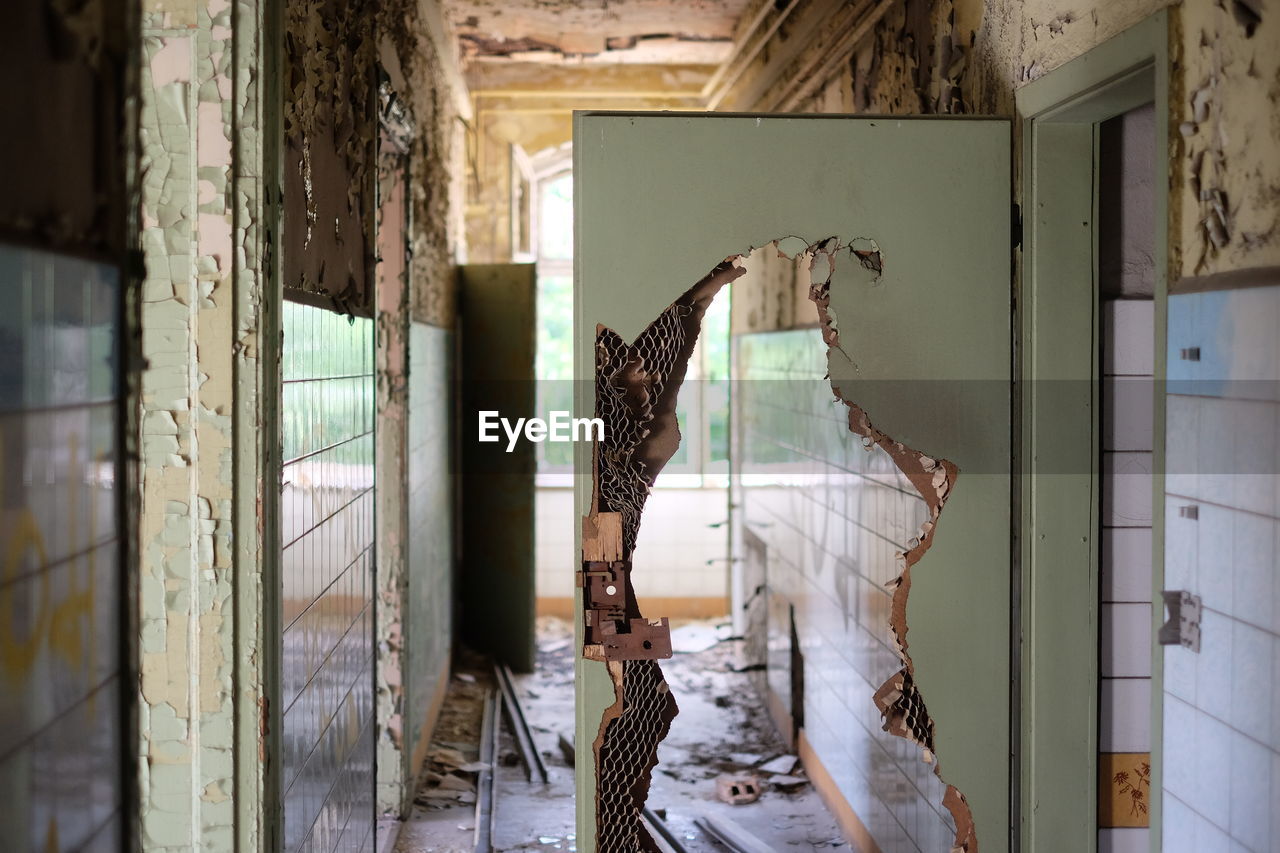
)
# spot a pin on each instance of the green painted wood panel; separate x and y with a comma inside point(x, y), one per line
point(662, 198)
point(496, 583)
point(1060, 424)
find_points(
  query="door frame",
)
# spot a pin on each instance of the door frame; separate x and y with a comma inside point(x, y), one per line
point(1055, 767)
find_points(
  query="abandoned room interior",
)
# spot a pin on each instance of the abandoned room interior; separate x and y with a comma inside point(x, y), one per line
point(640, 426)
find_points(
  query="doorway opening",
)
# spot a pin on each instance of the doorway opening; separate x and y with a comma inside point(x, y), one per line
point(1092, 398)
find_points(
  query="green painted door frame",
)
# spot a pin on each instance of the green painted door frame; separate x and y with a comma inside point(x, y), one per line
point(1059, 355)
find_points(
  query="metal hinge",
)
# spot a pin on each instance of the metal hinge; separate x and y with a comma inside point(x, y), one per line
point(1015, 225)
point(1183, 626)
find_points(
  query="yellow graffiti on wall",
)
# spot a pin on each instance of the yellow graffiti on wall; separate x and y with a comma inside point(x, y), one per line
point(17, 654)
point(58, 624)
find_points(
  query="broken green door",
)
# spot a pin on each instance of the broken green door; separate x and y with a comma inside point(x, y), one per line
point(910, 218)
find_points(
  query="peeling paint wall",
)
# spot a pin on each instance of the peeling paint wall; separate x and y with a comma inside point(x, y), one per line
point(200, 748)
point(392, 322)
point(1225, 203)
point(970, 56)
point(429, 621)
point(330, 83)
point(438, 102)
point(419, 240)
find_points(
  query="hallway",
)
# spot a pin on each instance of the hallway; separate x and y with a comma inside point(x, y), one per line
point(853, 425)
point(719, 732)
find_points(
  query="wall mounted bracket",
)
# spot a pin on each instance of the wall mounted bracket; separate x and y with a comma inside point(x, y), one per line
point(1183, 626)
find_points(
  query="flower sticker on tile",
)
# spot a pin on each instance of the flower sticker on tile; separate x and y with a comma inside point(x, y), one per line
point(1124, 789)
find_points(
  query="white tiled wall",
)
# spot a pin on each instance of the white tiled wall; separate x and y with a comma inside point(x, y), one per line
point(833, 516)
point(429, 627)
point(1124, 696)
point(678, 552)
point(1222, 706)
point(63, 749)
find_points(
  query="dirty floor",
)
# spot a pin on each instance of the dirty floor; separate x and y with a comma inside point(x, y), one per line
point(721, 729)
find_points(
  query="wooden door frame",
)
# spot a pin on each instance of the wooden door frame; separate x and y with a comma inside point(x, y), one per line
point(1058, 341)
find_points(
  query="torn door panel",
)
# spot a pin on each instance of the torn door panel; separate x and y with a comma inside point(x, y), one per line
point(899, 699)
point(636, 389)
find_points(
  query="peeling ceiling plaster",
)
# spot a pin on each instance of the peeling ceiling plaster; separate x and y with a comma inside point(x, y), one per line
point(599, 32)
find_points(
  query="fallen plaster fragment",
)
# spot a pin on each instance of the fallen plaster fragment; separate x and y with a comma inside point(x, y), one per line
point(787, 782)
point(782, 765)
point(737, 789)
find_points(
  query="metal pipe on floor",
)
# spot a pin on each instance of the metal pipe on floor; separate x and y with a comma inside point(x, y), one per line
point(484, 782)
point(730, 834)
point(529, 755)
point(659, 826)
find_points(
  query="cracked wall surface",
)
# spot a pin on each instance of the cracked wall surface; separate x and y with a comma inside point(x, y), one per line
point(1226, 139)
point(200, 749)
point(420, 58)
point(392, 377)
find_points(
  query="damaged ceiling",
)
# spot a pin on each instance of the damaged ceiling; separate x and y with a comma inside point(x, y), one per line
point(599, 32)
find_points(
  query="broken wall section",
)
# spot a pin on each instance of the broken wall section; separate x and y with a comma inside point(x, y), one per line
point(419, 238)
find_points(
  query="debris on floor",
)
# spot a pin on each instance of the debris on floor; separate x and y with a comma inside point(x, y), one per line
point(782, 764)
point(722, 730)
point(787, 783)
point(693, 638)
point(723, 727)
point(442, 818)
point(737, 789)
point(731, 835)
